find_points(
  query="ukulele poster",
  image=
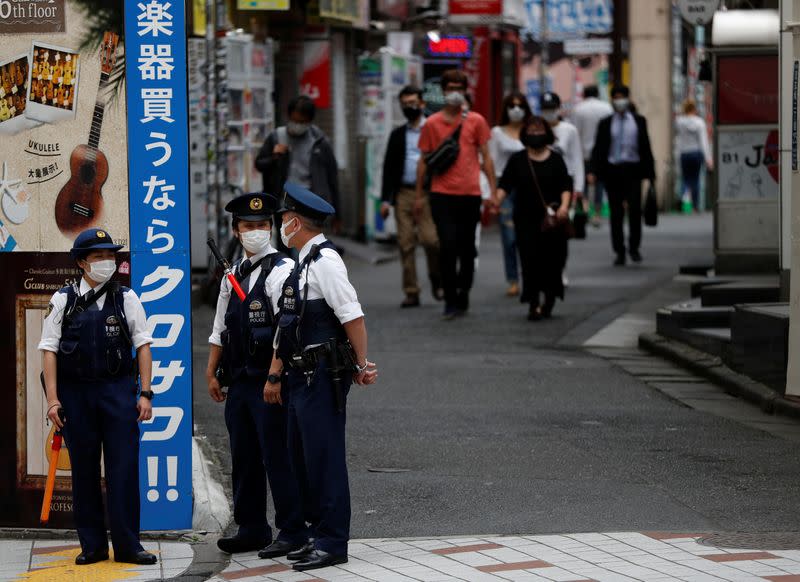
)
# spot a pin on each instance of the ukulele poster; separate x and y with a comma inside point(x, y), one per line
point(53, 83)
point(14, 95)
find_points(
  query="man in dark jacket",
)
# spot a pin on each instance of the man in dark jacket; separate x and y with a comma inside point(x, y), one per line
point(399, 184)
point(621, 159)
point(299, 152)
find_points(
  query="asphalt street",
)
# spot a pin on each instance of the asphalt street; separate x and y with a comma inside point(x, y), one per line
point(491, 424)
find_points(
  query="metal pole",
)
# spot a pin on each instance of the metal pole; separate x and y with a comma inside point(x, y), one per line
point(545, 52)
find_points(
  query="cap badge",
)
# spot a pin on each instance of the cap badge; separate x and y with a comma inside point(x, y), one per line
point(256, 204)
point(101, 234)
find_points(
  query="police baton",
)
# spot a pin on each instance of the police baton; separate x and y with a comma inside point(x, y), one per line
point(226, 266)
point(55, 450)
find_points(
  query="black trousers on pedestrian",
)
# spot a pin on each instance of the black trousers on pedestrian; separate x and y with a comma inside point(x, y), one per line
point(456, 218)
point(624, 186)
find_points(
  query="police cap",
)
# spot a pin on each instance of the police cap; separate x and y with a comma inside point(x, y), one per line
point(253, 206)
point(304, 202)
point(549, 100)
point(91, 240)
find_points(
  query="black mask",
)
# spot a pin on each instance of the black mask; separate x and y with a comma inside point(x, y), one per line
point(412, 113)
point(535, 141)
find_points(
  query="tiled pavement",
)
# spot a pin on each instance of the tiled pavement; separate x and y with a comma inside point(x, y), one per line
point(610, 557)
point(46, 561)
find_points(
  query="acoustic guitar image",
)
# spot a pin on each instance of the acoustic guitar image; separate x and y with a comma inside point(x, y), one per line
point(80, 202)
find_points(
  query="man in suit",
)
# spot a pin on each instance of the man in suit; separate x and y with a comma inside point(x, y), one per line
point(621, 159)
point(399, 184)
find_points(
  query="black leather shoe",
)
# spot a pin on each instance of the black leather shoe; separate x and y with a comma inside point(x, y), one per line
point(319, 559)
point(301, 553)
point(279, 548)
point(141, 558)
point(86, 558)
point(636, 257)
point(620, 261)
point(236, 544)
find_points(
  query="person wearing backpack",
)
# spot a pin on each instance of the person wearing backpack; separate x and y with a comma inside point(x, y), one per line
point(454, 143)
point(92, 378)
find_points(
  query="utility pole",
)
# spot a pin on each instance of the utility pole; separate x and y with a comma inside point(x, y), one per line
point(544, 42)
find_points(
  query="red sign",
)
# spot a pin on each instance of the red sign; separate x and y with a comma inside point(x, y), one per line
point(747, 89)
point(450, 46)
point(476, 6)
point(316, 79)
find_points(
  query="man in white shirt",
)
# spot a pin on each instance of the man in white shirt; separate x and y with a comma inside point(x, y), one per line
point(241, 350)
point(320, 349)
point(568, 142)
point(586, 116)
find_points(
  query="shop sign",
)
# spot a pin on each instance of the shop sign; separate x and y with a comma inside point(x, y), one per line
point(748, 162)
point(346, 10)
point(315, 81)
point(263, 4)
point(570, 18)
point(698, 12)
point(155, 33)
point(39, 16)
point(476, 7)
point(451, 46)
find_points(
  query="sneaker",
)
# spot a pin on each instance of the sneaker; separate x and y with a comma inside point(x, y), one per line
point(513, 289)
point(410, 301)
point(450, 313)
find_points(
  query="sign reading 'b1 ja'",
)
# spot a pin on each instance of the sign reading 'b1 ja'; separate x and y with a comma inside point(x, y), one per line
point(698, 11)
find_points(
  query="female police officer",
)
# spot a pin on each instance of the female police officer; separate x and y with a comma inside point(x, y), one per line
point(89, 371)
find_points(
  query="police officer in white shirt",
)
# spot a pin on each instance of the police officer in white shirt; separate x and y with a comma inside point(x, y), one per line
point(88, 340)
point(321, 348)
point(239, 357)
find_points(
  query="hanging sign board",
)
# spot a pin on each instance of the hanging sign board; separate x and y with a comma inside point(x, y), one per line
point(698, 12)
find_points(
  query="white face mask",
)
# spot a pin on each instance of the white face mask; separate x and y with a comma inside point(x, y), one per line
point(516, 114)
point(285, 238)
point(620, 105)
point(550, 115)
point(455, 98)
point(296, 129)
point(101, 271)
point(255, 241)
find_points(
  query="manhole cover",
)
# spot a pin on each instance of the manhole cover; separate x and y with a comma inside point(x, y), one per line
point(754, 541)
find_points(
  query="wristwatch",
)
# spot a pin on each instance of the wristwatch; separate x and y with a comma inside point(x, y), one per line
point(147, 394)
point(274, 378)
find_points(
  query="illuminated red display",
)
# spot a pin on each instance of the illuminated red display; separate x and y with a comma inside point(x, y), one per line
point(450, 46)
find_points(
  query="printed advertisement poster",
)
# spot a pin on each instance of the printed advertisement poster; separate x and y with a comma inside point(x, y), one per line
point(748, 163)
point(316, 78)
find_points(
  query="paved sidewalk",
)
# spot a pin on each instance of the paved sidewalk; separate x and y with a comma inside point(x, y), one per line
point(610, 557)
point(54, 560)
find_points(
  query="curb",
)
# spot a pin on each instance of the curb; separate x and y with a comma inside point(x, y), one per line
point(712, 368)
point(211, 512)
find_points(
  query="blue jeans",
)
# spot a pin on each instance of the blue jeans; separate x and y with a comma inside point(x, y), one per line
point(691, 166)
point(509, 238)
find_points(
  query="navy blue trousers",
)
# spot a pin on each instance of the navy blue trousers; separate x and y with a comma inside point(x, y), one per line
point(102, 415)
point(317, 449)
point(258, 453)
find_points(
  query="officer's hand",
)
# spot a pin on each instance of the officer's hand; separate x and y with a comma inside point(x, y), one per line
point(272, 393)
point(385, 210)
point(280, 149)
point(368, 376)
point(145, 408)
point(215, 390)
point(52, 414)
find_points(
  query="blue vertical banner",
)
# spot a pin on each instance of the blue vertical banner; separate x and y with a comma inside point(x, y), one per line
point(155, 70)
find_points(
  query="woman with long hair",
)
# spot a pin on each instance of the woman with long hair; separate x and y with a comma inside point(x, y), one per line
point(505, 142)
point(692, 142)
point(539, 177)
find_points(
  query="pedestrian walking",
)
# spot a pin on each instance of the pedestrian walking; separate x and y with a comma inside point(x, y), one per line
point(543, 189)
point(621, 159)
point(301, 153)
point(586, 116)
point(505, 141)
point(239, 357)
point(459, 138)
point(691, 137)
point(321, 348)
point(399, 191)
point(567, 140)
point(88, 338)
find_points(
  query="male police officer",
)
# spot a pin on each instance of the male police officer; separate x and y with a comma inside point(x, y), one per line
point(321, 347)
point(242, 342)
point(90, 372)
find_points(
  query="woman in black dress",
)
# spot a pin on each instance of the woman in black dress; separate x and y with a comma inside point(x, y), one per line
point(542, 254)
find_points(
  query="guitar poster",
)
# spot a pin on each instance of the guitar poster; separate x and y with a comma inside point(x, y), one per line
point(14, 95)
point(53, 83)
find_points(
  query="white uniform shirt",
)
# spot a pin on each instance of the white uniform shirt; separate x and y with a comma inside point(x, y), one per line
point(273, 286)
point(568, 144)
point(134, 313)
point(327, 279)
point(586, 116)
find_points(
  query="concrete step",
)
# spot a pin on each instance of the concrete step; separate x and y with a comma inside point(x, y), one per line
point(698, 286)
point(712, 340)
point(728, 294)
point(702, 269)
point(760, 343)
point(690, 314)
